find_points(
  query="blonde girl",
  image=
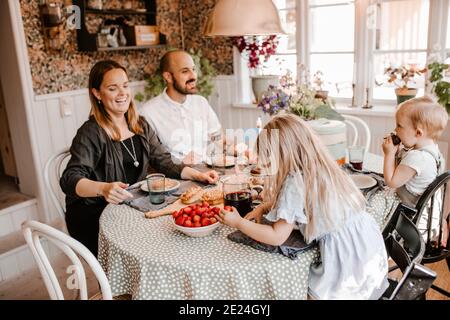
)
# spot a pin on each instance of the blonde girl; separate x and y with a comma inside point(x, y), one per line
point(313, 193)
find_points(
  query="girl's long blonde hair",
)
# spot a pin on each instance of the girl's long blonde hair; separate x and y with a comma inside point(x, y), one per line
point(98, 110)
point(288, 145)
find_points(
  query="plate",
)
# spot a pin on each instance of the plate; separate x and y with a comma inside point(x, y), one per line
point(230, 161)
point(363, 181)
point(170, 184)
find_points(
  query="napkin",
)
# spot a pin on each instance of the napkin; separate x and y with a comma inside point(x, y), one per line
point(291, 248)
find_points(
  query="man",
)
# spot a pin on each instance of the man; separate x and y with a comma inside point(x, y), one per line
point(183, 120)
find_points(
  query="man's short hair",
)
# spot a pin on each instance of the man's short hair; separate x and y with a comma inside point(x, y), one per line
point(164, 64)
point(425, 112)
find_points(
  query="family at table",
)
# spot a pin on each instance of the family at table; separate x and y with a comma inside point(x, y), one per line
point(311, 194)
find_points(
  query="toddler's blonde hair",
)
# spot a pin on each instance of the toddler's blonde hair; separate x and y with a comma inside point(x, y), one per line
point(288, 145)
point(426, 113)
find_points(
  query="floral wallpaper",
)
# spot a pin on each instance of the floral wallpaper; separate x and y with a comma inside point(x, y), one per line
point(68, 69)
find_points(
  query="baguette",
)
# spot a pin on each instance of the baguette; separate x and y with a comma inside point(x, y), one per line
point(213, 197)
point(191, 195)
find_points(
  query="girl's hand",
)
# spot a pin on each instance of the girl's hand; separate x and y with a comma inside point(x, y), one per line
point(115, 192)
point(254, 215)
point(388, 146)
point(230, 218)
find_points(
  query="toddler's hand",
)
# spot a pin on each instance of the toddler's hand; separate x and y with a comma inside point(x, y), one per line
point(388, 146)
point(230, 218)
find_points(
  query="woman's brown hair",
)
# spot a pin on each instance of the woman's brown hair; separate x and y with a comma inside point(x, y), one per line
point(98, 110)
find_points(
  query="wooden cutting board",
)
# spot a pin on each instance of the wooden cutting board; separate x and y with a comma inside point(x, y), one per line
point(177, 205)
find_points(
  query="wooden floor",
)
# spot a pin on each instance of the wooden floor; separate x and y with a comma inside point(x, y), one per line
point(31, 287)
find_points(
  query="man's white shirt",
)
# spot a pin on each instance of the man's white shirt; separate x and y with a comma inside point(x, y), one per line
point(182, 127)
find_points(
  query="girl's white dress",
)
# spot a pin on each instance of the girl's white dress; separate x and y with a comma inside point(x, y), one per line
point(353, 255)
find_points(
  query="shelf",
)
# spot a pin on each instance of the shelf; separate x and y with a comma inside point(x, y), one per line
point(119, 12)
point(131, 47)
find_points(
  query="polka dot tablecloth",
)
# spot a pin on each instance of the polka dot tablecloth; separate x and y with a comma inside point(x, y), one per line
point(150, 259)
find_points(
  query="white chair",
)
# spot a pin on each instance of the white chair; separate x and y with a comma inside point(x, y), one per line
point(52, 171)
point(355, 122)
point(33, 231)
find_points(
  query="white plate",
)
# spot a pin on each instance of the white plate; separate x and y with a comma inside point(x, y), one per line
point(144, 186)
point(230, 161)
point(363, 181)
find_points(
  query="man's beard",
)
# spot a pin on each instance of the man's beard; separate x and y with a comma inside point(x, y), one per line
point(183, 90)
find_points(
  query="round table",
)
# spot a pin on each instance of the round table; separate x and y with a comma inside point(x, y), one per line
point(150, 259)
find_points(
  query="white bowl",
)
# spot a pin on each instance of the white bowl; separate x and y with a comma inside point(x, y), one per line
point(196, 232)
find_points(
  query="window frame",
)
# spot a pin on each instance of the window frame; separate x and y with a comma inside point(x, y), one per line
point(364, 48)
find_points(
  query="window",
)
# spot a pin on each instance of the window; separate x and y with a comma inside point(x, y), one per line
point(286, 56)
point(353, 41)
point(332, 44)
point(400, 38)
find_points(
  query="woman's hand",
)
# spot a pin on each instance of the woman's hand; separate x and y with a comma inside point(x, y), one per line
point(388, 146)
point(210, 177)
point(206, 177)
point(115, 192)
point(230, 218)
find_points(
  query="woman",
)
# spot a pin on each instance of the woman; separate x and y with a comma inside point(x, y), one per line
point(111, 151)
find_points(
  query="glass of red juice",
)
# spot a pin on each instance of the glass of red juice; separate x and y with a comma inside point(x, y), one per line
point(238, 195)
point(356, 156)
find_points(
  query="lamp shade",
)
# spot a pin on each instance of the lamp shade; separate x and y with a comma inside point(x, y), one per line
point(234, 18)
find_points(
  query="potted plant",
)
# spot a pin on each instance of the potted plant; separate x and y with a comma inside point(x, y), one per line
point(205, 73)
point(299, 99)
point(440, 87)
point(318, 81)
point(402, 77)
point(257, 50)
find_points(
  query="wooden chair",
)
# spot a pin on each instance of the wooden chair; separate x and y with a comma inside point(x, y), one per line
point(354, 123)
point(52, 173)
point(33, 231)
point(429, 217)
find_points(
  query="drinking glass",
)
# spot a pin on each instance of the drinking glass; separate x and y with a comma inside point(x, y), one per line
point(156, 183)
point(356, 156)
point(237, 193)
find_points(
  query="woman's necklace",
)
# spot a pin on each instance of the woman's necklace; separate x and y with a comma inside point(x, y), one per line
point(136, 163)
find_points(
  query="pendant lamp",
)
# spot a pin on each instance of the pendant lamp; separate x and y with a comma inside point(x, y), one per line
point(234, 18)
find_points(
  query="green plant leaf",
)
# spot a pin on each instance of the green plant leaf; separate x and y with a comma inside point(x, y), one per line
point(325, 111)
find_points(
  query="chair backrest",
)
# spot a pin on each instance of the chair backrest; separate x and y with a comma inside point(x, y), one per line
point(406, 247)
point(354, 123)
point(52, 172)
point(406, 233)
point(33, 231)
point(431, 211)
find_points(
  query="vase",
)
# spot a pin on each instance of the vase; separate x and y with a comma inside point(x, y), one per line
point(404, 94)
point(261, 83)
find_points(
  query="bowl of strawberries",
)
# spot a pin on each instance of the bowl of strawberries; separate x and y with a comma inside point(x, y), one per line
point(196, 220)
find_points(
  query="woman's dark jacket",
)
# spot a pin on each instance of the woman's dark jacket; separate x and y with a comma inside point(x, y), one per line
point(95, 156)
